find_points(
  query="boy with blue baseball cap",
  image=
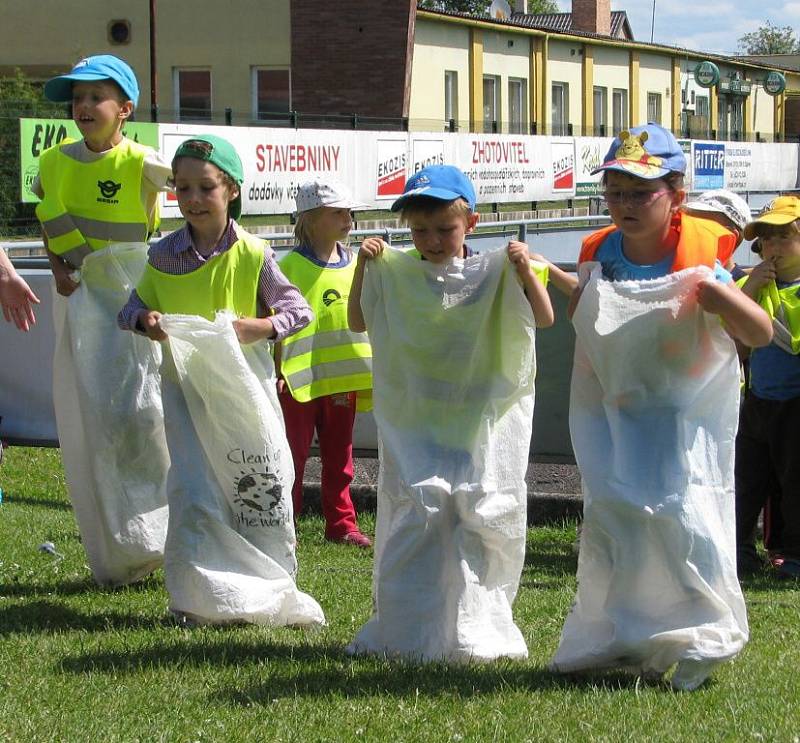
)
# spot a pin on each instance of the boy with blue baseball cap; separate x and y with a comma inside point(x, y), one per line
point(98, 208)
point(453, 369)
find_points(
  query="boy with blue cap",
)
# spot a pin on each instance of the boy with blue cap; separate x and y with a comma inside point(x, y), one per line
point(653, 411)
point(453, 377)
point(98, 208)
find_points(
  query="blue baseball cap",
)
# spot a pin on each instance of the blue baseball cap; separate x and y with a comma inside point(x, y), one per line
point(443, 182)
point(92, 69)
point(648, 152)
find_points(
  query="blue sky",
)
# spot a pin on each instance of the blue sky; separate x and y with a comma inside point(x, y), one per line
point(709, 25)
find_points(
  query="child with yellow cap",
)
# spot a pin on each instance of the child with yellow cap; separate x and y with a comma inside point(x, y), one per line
point(767, 441)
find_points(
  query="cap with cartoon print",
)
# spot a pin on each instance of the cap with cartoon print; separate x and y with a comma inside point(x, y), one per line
point(648, 152)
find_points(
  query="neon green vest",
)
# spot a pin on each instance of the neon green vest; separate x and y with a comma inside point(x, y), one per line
point(87, 206)
point(783, 307)
point(227, 282)
point(325, 358)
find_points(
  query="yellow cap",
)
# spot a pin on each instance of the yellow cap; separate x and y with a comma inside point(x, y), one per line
point(783, 210)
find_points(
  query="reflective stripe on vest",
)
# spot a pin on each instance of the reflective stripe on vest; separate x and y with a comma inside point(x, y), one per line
point(325, 358)
point(700, 242)
point(89, 205)
point(228, 281)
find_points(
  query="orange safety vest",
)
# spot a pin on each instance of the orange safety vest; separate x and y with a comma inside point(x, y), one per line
point(701, 242)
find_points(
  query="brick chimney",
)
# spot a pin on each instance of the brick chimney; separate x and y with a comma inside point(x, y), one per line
point(593, 16)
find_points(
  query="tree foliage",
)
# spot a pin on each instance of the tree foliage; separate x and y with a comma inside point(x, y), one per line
point(770, 39)
point(19, 97)
point(481, 7)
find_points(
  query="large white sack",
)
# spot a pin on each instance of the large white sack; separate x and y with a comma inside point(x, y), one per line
point(653, 418)
point(107, 399)
point(231, 544)
point(454, 366)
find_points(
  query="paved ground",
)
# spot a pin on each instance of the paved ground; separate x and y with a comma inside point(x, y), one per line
point(553, 489)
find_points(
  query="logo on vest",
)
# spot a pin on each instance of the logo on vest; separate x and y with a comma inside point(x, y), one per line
point(108, 190)
point(258, 491)
point(330, 296)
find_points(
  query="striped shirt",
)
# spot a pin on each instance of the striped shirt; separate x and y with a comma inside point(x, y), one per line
point(176, 255)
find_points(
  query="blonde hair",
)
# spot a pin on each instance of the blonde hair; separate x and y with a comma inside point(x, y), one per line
point(426, 206)
point(304, 226)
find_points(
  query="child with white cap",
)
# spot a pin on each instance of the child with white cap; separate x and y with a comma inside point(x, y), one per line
point(325, 370)
point(728, 210)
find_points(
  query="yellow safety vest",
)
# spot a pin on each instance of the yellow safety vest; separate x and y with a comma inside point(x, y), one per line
point(89, 205)
point(783, 307)
point(325, 357)
point(228, 281)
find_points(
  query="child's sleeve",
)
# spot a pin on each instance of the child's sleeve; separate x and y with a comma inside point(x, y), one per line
point(156, 173)
point(129, 314)
point(280, 300)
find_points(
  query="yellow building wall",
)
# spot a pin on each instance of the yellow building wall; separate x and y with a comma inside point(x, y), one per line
point(229, 39)
point(611, 70)
point(655, 76)
point(438, 47)
point(564, 65)
point(508, 56)
point(762, 110)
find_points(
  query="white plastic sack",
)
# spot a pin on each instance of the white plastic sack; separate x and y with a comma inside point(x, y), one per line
point(653, 417)
point(454, 366)
point(107, 399)
point(231, 544)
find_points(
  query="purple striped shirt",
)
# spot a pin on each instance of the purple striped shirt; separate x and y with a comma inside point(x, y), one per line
point(176, 255)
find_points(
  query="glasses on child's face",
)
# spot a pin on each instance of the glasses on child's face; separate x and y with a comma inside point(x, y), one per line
point(635, 198)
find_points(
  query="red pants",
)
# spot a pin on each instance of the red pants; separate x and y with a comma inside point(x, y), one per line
point(332, 416)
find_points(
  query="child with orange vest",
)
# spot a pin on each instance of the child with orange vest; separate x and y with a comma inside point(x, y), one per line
point(325, 370)
point(653, 411)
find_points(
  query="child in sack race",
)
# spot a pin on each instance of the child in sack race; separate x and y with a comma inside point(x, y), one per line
point(653, 413)
point(212, 293)
point(453, 368)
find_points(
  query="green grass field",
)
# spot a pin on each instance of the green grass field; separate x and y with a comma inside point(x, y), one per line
point(79, 663)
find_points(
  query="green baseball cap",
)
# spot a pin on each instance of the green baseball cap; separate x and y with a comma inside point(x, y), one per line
point(219, 152)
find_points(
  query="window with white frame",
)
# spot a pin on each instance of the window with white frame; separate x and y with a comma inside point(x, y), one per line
point(600, 109)
point(654, 107)
point(450, 97)
point(517, 105)
point(619, 110)
point(192, 94)
point(559, 113)
point(491, 102)
point(271, 91)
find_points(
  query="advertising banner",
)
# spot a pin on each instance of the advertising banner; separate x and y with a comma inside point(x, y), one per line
point(36, 135)
point(375, 165)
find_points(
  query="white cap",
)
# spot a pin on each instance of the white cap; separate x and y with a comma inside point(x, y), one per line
point(313, 194)
point(731, 205)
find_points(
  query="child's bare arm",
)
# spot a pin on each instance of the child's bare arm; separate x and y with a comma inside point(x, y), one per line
point(371, 248)
point(565, 282)
point(61, 271)
point(744, 320)
point(534, 289)
point(759, 277)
